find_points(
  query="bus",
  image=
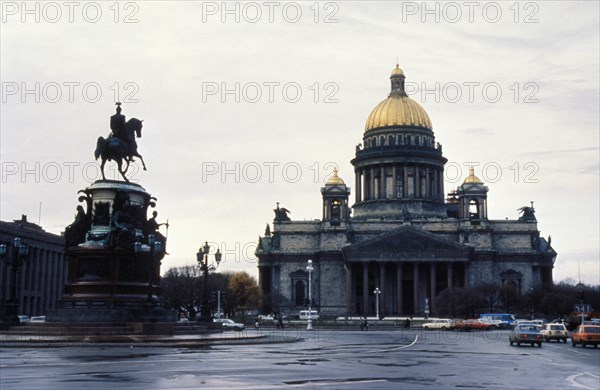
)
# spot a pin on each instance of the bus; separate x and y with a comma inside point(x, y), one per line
point(502, 320)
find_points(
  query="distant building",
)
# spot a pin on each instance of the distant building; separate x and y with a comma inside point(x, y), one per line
point(41, 277)
point(402, 235)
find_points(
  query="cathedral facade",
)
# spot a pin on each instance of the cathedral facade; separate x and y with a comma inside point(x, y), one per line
point(402, 237)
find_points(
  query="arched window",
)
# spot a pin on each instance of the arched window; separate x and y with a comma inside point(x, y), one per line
point(473, 209)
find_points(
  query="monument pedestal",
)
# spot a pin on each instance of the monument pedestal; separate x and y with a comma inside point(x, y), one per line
point(114, 274)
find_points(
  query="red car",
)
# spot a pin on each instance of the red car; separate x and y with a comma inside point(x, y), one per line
point(468, 325)
point(586, 334)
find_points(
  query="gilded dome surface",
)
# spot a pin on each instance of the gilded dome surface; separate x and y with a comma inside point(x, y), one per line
point(472, 179)
point(398, 109)
point(335, 179)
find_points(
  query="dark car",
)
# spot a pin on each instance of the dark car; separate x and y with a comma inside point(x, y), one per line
point(526, 334)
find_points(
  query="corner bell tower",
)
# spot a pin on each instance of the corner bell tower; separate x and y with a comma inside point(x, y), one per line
point(472, 199)
point(335, 200)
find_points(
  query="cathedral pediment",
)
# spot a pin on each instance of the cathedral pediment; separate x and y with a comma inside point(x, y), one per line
point(407, 243)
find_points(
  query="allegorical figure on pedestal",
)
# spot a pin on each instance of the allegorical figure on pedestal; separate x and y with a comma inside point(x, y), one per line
point(151, 227)
point(75, 233)
point(124, 223)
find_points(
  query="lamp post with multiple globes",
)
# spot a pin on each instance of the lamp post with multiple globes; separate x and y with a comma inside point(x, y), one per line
point(202, 259)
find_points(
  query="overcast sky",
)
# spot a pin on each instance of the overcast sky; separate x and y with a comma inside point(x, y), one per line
point(248, 104)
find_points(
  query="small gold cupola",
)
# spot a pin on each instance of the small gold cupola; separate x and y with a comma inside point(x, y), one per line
point(472, 179)
point(335, 179)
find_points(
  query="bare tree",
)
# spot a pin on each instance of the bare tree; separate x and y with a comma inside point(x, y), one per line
point(181, 288)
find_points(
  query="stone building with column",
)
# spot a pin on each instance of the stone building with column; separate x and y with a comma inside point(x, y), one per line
point(402, 235)
point(41, 277)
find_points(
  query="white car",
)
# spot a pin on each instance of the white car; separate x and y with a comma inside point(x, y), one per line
point(555, 331)
point(38, 319)
point(439, 323)
point(229, 324)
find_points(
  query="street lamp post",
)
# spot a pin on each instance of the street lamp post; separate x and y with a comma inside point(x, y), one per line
point(310, 269)
point(531, 291)
point(377, 292)
point(202, 258)
point(18, 254)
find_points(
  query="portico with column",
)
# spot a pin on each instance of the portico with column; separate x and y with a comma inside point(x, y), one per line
point(407, 265)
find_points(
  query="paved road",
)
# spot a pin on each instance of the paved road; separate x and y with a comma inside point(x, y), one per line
point(324, 359)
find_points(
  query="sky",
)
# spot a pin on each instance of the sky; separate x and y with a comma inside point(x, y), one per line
point(246, 104)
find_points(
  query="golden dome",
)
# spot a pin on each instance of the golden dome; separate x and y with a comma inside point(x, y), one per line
point(398, 109)
point(335, 179)
point(397, 71)
point(472, 179)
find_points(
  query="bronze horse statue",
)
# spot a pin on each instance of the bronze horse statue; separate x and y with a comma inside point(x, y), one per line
point(118, 149)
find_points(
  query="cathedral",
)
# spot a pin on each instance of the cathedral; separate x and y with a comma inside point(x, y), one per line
point(402, 237)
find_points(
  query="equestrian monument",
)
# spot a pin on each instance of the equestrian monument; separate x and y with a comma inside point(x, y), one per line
point(113, 249)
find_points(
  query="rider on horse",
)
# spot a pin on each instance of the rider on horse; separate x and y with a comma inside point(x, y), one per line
point(119, 130)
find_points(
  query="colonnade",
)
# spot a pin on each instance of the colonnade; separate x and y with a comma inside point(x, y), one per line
point(399, 181)
point(404, 285)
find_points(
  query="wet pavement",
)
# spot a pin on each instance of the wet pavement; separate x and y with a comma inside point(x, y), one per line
point(332, 359)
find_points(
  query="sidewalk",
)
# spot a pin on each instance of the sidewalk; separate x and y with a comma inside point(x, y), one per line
point(16, 340)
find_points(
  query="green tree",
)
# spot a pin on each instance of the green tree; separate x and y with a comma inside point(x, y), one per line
point(243, 293)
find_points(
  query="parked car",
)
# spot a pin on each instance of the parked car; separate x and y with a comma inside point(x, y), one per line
point(314, 315)
point(23, 319)
point(38, 319)
point(229, 324)
point(555, 331)
point(526, 334)
point(468, 325)
point(586, 335)
point(439, 323)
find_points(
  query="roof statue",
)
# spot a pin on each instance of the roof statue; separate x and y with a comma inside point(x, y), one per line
point(281, 214)
point(528, 213)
